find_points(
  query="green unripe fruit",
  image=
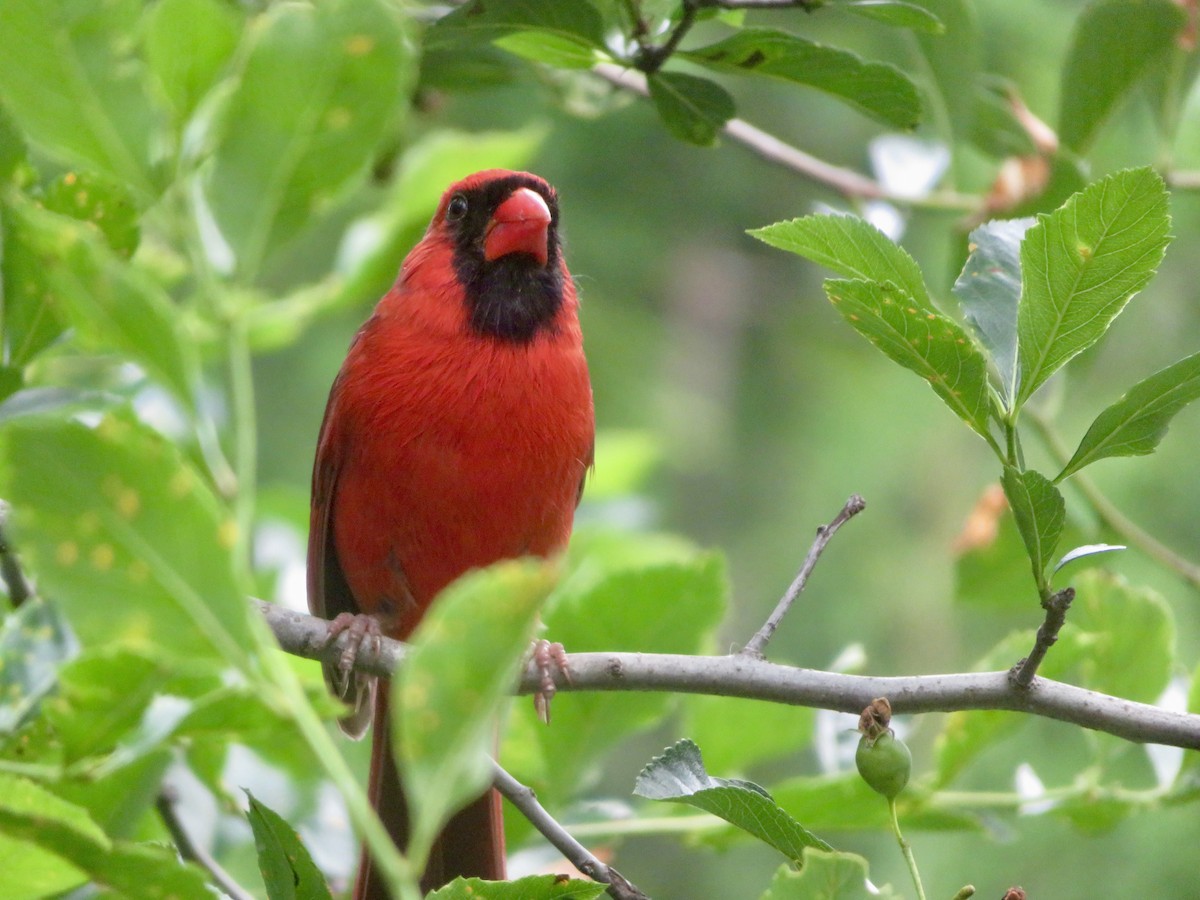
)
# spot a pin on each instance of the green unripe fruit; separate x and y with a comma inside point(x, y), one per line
point(884, 763)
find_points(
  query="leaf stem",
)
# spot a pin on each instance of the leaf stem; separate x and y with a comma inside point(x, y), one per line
point(906, 850)
point(245, 425)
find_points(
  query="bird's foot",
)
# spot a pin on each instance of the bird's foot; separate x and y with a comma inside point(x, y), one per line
point(548, 657)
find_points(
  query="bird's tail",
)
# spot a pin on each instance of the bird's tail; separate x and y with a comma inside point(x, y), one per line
point(471, 845)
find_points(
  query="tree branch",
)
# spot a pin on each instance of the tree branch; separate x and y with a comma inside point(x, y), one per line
point(757, 644)
point(850, 184)
point(524, 799)
point(10, 567)
point(743, 676)
point(190, 850)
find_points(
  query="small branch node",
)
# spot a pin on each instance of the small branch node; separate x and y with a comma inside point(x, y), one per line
point(1056, 606)
point(757, 645)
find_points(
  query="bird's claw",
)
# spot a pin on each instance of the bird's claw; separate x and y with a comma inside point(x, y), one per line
point(361, 630)
point(548, 656)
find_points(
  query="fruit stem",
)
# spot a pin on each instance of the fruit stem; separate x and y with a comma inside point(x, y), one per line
point(906, 849)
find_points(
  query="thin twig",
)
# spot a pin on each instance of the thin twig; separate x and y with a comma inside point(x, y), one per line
point(847, 182)
point(650, 59)
point(10, 567)
point(758, 644)
point(743, 676)
point(524, 799)
point(190, 850)
point(1056, 606)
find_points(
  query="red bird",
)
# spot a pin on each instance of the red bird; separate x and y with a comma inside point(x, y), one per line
point(457, 433)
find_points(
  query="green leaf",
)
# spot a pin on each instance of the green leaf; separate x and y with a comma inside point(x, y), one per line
point(12, 146)
point(102, 698)
point(576, 23)
point(188, 44)
point(1137, 423)
point(895, 13)
point(30, 319)
point(1040, 513)
point(99, 113)
point(954, 60)
point(720, 725)
point(827, 876)
point(679, 775)
point(320, 86)
point(532, 887)
point(1113, 45)
point(34, 642)
point(287, 868)
point(1129, 637)
point(141, 872)
point(622, 591)
point(852, 247)
point(995, 127)
point(99, 201)
point(921, 340)
point(457, 678)
point(126, 538)
point(1082, 263)
point(844, 802)
point(113, 305)
point(877, 89)
point(693, 109)
point(989, 290)
point(551, 49)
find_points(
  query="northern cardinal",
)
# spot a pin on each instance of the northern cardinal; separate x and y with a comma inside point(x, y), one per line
point(457, 433)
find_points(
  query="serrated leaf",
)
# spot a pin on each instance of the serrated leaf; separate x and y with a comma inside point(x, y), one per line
point(287, 868)
point(989, 289)
point(320, 85)
point(877, 89)
point(1081, 264)
point(35, 641)
point(1137, 423)
point(126, 538)
point(550, 49)
point(852, 247)
point(1039, 511)
point(99, 113)
point(693, 109)
point(827, 875)
point(532, 887)
point(896, 13)
point(114, 306)
point(679, 775)
point(457, 678)
point(188, 43)
point(1085, 551)
point(1113, 44)
point(921, 340)
point(576, 23)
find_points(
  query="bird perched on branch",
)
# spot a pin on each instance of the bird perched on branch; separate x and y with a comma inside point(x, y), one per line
point(457, 433)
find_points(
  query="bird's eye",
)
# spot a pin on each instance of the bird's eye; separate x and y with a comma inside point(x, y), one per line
point(456, 208)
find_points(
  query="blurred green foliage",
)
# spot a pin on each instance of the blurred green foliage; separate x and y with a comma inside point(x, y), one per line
point(200, 200)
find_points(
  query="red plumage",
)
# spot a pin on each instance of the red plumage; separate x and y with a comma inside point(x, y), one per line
point(458, 433)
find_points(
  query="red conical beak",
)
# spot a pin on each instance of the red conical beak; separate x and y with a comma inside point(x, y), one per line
point(520, 225)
